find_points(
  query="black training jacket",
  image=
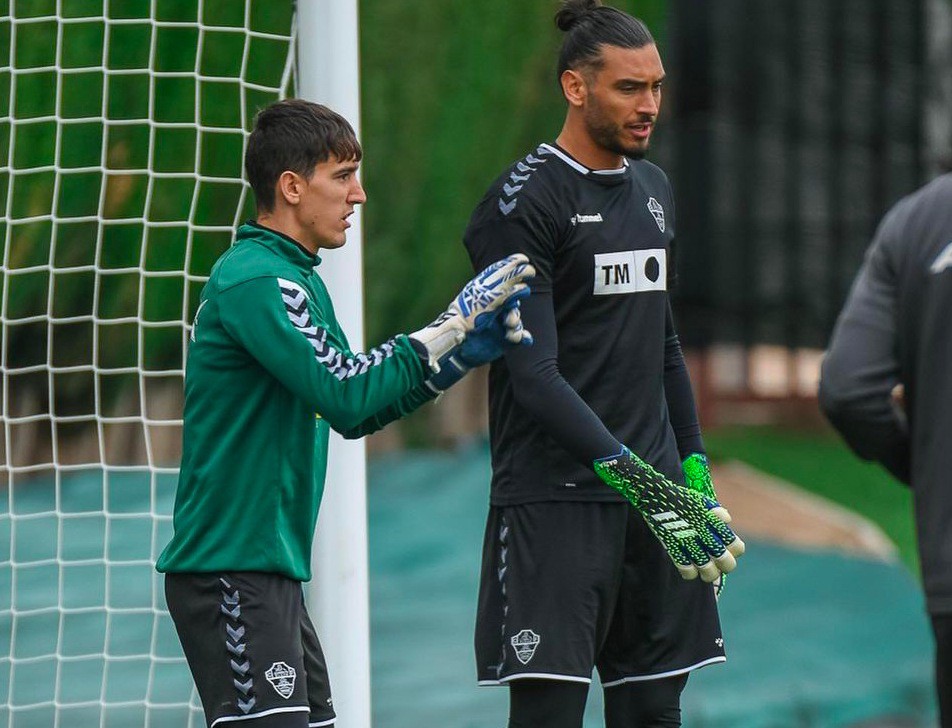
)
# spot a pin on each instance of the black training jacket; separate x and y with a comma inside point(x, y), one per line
point(896, 328)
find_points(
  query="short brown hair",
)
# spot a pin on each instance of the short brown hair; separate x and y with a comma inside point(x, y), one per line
point(295, 135)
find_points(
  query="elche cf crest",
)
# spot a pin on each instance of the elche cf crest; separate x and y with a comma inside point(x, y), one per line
point(525, 644)
point(657, 211)
point(281, 676)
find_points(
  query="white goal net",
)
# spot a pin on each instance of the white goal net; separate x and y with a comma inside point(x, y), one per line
point(122, 130)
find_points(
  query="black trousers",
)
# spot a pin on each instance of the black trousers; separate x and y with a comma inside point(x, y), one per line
point(558, 704)
point(942, 626)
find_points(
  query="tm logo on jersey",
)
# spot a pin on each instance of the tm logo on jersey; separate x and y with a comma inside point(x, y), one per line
point(525, 644)
point(631, 271)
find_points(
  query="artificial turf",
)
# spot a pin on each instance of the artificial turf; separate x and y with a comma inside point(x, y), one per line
point(819, 462)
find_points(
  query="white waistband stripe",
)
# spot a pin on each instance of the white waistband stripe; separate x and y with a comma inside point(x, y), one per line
point(669, 673)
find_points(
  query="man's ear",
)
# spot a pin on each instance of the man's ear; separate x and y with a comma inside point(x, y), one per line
point(290, 187)
point(574, 87)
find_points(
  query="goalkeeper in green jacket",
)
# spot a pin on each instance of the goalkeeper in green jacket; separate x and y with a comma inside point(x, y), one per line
point(269, 373)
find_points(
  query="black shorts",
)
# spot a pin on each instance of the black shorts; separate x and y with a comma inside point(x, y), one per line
point(570, 586)
point(252, 650)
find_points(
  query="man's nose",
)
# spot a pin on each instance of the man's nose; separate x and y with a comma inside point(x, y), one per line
point(357, 195)
point(648, 103)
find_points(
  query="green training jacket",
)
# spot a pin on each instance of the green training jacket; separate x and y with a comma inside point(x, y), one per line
point(269, 372)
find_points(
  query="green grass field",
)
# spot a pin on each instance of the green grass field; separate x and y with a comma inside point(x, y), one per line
point(819, 462)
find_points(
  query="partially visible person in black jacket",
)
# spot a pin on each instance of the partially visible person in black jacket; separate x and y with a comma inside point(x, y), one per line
point(895, 334)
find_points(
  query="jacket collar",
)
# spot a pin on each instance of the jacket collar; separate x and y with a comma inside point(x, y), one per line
point(284, 245)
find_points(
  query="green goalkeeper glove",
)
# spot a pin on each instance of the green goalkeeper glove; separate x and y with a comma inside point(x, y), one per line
point(697, 477)
point(692, 528)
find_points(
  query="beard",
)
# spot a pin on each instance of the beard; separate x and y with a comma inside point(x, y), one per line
point(608, 135)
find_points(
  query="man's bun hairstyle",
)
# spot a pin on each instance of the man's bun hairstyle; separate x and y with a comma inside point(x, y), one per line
point(588, 25)
point(572, 11)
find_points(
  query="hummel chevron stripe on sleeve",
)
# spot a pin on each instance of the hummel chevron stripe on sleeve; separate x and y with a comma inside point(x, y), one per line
point(295, 303)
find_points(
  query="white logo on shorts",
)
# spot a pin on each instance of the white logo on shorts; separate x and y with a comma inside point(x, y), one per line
point(281, 676)
point(525, 644)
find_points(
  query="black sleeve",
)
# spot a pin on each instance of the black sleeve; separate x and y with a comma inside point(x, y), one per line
point(672, 267)
point(541, 390)
point(537, 384)
point(861, 367)
point(672, 246)
point(526, 228)
point(680, 397)
point(411, 401)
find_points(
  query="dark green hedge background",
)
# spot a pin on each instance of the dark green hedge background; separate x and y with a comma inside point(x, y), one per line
point(451, 93)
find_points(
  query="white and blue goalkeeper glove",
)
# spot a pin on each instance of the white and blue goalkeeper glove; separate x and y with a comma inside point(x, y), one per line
point(485, 343)
point(692, 527)
point(474, 308)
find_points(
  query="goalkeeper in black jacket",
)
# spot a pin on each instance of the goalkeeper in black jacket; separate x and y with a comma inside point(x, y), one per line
point(599, 412)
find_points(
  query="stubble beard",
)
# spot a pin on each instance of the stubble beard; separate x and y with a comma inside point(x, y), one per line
point(608, 136)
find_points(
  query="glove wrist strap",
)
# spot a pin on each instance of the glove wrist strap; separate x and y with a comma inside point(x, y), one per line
point(436, 340)
point(628, 474)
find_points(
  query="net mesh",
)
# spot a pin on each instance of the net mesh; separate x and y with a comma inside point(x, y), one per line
point(122, 130)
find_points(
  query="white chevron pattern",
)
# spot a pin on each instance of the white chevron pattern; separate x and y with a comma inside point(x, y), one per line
point(508, 200)
point(295, 300)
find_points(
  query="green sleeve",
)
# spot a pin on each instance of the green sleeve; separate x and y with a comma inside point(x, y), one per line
point(299, 349)
point(410, 402)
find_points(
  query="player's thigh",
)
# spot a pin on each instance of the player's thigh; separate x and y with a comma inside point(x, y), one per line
point(645, 704)
point(546, 704)
point(315, 667)
point(240, 635)
point(662, 624)
point(548, 586)
point(942, 627)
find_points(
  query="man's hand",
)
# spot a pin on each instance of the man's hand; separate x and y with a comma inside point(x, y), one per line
point(473, 308)
point(697, 477)
point(690, 526)
point(487, 342)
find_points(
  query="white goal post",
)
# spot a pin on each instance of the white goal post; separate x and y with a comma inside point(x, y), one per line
point(122, 130)
point(328, 72)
